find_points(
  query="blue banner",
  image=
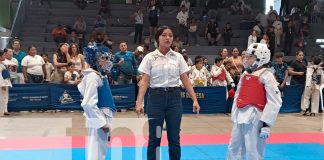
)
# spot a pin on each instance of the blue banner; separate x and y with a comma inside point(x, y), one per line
point(291, 98)
point(211, 100)
point(25, 97)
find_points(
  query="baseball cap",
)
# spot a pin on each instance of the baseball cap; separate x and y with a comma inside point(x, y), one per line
point(183, 50)
point(140, 48)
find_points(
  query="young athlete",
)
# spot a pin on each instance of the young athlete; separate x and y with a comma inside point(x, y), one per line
point(97, 103)
point(256, 105)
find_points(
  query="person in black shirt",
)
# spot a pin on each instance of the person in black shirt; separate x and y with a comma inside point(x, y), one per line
point(289, 38)
point(297, 69)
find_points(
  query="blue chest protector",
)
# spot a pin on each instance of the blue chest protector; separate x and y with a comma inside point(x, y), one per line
point(5, 73)
point(105, 98)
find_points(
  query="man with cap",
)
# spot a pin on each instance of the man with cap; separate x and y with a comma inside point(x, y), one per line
point(184, 53)
point(97, 103)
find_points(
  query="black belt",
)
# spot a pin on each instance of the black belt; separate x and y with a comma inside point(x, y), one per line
point(165, 89)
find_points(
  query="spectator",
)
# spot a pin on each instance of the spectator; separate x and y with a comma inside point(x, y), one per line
point(74, 37)
point(259, 30)
point(189, 61)
point(138, 18)
point(280, 70)
point(100, 24)
point(314, 78)
point(146, 50)
point(80, 25)
point(236, 68)
point(104, 7)
point(212, 31)
point(12, 65)
point(289, 38)
point(153, 18)
point(277, 24)
point(206, 65)
point(252, 38)
point(228, 33)
point(71, 76)
point(125, 62)
point(4, 85)
point(108, 42)
point(193, 31)
point(272, 15)
point(304, 28)
point(177, 42)
point(297, 70)
point(220, 76)
point(262, 18)
point(138, 53)
point(182, 18)
point(199, 75)
point(33, 67)
point(60, 60)
point(59, 34)
point(76, 57)
point(223, 53)
point(19, 55)
point(49, 68)
point(265, 39)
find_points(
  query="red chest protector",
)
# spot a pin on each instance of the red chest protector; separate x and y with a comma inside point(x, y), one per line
point(220, 77)
point(252, 92)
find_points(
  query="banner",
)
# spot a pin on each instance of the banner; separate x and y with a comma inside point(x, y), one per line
point(26, 97)
point(211, 100)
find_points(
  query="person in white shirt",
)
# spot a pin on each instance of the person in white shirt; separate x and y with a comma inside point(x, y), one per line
point(161, 71)
point(199, 75)
point(252, 38)
point(277, 24)
point(12, 64)
point(314, 79)
point(182, 18)
point(5, 83)
point(219, 75)
point(258, 29)
point(71, 76)
point(49, 68)
point(34, 69)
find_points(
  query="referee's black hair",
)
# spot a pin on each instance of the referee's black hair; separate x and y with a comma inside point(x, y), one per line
point(159, 31)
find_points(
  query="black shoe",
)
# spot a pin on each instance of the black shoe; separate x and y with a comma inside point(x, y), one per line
point(209, 43)
point(306, 112)
point(312, 115)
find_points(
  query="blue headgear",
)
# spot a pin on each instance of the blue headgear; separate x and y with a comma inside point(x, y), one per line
point(93, 52)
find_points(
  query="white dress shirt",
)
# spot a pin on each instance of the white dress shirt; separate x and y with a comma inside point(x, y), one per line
point(164, 70)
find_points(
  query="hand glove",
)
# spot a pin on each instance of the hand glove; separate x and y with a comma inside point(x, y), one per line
point(233, 85)
point(265, 132)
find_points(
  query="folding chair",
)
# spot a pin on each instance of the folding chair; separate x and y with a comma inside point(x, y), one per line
point(321, 93)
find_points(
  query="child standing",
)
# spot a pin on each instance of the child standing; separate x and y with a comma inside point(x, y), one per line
point(314, 78)
point(253, 113)
point(49, 68)
point(5, 83)
point(71, 76)
point(199, 75)
point(219, 74)
point(97, 103)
